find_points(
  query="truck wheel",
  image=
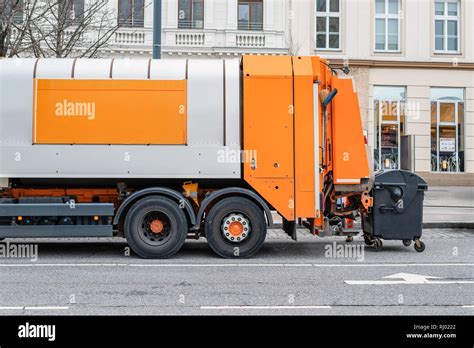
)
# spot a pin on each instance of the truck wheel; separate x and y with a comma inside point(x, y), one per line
point(235, 228)
point(156, 227)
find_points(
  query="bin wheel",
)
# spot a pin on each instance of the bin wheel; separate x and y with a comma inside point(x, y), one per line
point(406, 242)
point(349, 239)
point(368, 240)
point(419, 246)
point(378, 245)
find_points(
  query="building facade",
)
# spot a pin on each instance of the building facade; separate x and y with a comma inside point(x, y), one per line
point(412, 62)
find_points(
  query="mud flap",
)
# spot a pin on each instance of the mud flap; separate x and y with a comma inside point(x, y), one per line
point(290, 228)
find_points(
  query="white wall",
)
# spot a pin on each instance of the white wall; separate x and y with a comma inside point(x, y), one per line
point(357, 23)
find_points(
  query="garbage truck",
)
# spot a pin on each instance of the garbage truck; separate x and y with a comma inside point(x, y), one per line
point(158, 151)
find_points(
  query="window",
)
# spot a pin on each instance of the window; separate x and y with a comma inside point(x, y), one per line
point(387, 25)
point(14, 7)
point(191, 14)
point(447, 129)
point(328, 24)
point(389, 109)
point(131, 13)
point(446, 26)
point(18, 11)
point(78, 10)
point(71, 10)
point(250, 14)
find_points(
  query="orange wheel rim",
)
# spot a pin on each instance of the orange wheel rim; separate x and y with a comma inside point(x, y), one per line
point(156, 226)
point(236, 228)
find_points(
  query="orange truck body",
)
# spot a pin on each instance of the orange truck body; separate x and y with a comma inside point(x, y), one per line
point(304, 152)
point(282, 123)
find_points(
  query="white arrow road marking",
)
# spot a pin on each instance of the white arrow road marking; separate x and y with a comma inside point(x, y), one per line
point(408, 278)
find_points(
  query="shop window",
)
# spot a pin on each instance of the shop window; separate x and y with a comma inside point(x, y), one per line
point(447, 130)
point(389, 111)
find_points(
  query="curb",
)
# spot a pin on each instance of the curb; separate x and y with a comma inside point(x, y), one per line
point(426, 225)
point(463, 225)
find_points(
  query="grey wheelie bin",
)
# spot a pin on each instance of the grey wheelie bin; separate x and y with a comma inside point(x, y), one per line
point(397, 212)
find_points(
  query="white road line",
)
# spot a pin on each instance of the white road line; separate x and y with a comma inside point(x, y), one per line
point(264, 307)
point(34, 308)
point(236, 265)
point(283, 307)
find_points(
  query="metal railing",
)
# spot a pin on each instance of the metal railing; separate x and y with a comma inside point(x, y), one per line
point(131, 23)
point(190, 24)
point(244, 25)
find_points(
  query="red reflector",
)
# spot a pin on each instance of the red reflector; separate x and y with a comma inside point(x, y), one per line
point(365, 140)
point(349, 223)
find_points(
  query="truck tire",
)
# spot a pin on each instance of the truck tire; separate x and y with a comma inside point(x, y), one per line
point(235, 228)
point(156, 228)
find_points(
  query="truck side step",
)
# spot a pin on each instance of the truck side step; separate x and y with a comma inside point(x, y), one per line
point(55, 209)
point(77, 231)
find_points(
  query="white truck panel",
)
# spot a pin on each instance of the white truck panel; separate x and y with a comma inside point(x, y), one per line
point(206, 102)
point(172, 69)
point(16, 103)
point(130, 69)
point(198, 159)
point(54, 68)
point(92, 69)
point(232, 105)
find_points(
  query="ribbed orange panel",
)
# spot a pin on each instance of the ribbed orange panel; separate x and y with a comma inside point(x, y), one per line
point(268, 130)
point(109, 112)
point(304, 138)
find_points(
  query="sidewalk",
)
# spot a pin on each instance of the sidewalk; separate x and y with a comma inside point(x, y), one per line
point(449, 207)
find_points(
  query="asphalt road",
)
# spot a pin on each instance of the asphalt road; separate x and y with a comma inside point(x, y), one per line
point(97, 278)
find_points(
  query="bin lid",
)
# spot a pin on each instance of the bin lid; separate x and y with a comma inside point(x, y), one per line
point(399, 178)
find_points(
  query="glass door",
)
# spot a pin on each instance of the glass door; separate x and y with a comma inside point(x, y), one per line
point(447, 130)
point(389, 119)
point(447, 139)
point(389, 124)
